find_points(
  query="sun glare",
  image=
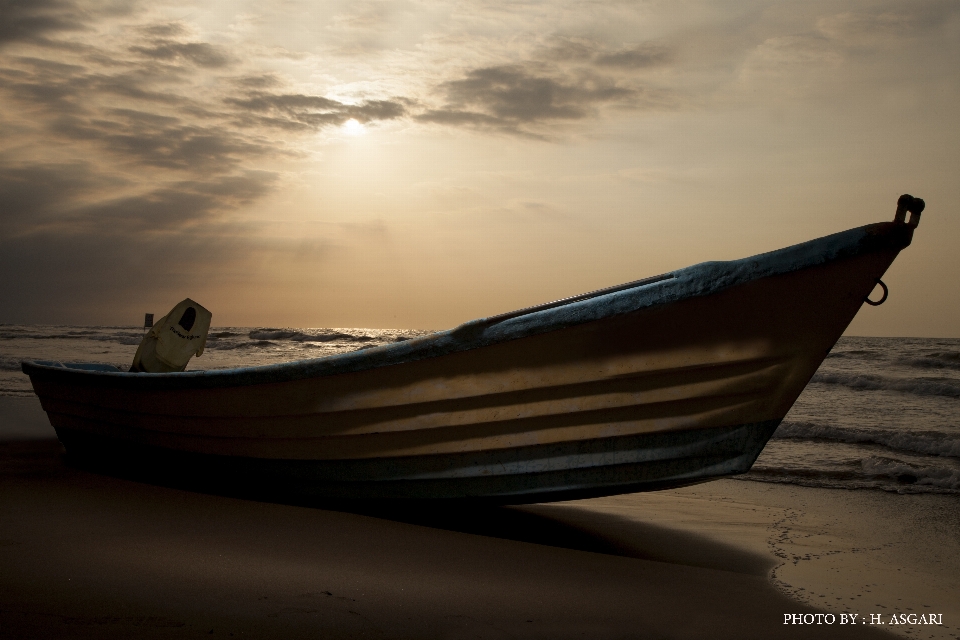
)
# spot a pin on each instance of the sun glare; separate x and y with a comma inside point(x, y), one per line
point(353, 128)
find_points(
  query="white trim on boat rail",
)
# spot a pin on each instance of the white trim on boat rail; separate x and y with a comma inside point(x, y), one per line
point(562, 301)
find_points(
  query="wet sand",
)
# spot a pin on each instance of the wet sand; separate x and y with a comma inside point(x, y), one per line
point(83, 555)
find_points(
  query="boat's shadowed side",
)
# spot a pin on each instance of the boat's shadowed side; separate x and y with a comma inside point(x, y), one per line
point(662, 383)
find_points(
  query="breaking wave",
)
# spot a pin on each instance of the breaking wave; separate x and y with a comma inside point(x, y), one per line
point(9, 364)
point(16, 391)
point(294, 335)
point(859, 354)
point(228, 346)
point(924, 442)
point(871, 473)
point(937, 360)
point(870, 382)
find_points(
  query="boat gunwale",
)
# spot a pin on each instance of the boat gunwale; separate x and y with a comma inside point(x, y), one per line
point(697, 280)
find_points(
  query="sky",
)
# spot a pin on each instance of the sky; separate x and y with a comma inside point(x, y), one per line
point(412, 164)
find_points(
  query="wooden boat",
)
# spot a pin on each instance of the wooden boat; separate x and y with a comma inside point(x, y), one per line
point(658, 383)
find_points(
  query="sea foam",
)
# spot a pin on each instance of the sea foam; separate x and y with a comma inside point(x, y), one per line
point(926, 442)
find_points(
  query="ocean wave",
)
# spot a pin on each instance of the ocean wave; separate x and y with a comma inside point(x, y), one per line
point(908, 474)
point(9, 364)
point(936, 360)
point(870, 473)
point(925, 442)
point(277, 334)
point(870, 382)
point(123, 337)
point(861, 354)
point(16, 392)
point(294, 335)
point(228, 346)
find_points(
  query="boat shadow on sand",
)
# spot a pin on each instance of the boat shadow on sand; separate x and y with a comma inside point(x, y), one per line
point(575, 525)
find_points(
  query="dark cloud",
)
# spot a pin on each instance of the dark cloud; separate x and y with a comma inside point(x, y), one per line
point(65, 225)
point(509, 97)
point(164, 30)
point(109, 254)
point(162, 141)
point(56, 88)
point(107, 224)
point(67, 249)
point(164, 130)
point(235, 189)
point(458, 118)
point(49, 68)
point(139, 85)
point(34, 194)
point(512, 93)
point(32, 19)
point(199, 53)
point(569, 50)
point(74, 198)
point(598, 54)
point(263, 81)
point(287, 103)
point(165, 209)
point(869, 29)
point(150, 134)
point(299, 111)
point(173, 207)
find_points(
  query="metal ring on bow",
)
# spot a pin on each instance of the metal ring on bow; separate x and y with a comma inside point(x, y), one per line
point(881, 300)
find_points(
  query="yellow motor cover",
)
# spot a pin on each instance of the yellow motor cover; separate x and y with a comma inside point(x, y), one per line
point(174, 339)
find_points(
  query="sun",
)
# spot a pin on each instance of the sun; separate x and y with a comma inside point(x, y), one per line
point(353, 128)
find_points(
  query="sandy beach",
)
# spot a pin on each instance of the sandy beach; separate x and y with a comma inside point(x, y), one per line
point(86, 555)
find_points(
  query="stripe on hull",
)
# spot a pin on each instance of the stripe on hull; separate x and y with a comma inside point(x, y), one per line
point(523, 474)
point(647, 387)
point(439, 428)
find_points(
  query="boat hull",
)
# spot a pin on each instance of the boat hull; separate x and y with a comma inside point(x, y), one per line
point(670, 383)
point(537, 473)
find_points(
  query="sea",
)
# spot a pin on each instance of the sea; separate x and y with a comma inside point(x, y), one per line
point(880, 413)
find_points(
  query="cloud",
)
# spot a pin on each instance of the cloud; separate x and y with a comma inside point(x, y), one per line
point(365, 15)
point(118, 170)
point(132, 136)
point(165, 30)
point(178, 206)
point(566, 49)
point(28, 20)
point(34, 194)
point(509, 97)
point(75, 198)
point(67, 245)
point(639, 57)
point(591, 52)
point(131, 152)
point(299, 111)
point(892, 22)
point(199, 53)
point(153, 127)
point(55, 88)
point(262, 81)
point(162, 141)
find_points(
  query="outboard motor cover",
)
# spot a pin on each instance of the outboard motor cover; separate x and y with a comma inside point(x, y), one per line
point(174, 339)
